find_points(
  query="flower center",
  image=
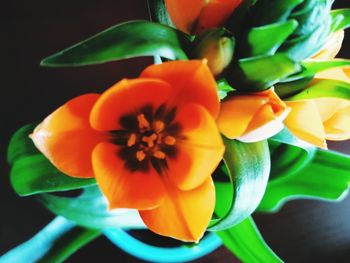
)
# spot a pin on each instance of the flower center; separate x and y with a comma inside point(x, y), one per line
point(149, 138)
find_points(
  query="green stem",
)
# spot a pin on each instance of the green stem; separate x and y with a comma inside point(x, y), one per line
point(54, 243)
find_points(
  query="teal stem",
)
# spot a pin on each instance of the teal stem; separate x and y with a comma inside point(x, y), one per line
point(54, 243)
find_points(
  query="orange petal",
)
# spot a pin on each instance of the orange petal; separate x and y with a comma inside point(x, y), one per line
point(200, 152)
point(183, 215)
point(252, 117)
point(305, 122)
point(66, 138)
point(216, 13)
point(184, 13)
point(122, 187)
point(332, 46)
point(192, 82)
point(127, 97)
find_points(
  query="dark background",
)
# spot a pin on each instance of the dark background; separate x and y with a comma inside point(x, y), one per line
point(303, 231)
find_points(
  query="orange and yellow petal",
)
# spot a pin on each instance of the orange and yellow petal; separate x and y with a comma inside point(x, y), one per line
point(66, 138)
point(184, 13)
point(127, 97)
point(199, 151)
point(305, 122)
point(191, 82)
point(122, 187)
point(252, 117)
point(183, 215)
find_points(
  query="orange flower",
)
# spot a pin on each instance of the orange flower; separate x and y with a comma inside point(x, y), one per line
point(195, 16)
point(151, 143)
point(252, 117)
point(326, 118)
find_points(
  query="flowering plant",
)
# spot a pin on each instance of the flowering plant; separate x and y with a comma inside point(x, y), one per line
point(232, 118)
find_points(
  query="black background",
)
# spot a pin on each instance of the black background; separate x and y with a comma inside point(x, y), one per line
point(303, 231)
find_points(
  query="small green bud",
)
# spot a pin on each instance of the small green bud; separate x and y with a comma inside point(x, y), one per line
point(217, 46)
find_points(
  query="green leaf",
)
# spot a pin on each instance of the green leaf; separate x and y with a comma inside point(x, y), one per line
point(32, 173)
point(245, 242)
point(248, 165)
point(341, 19)
point(158, 12)
point(265, 40)
point(288, 89)
point(326, 177)
point(223, 88)
point(236, 23)
point(54, 243)
point(259, 73)
point(312, 67)
point(324, 88)
point(90, 209)
point(127, 40)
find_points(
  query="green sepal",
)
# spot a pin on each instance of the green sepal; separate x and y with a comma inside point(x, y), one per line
point(248, 166)
point(325, 177)
point(260, 73)
point(340, 19)
point(265, 40)
point(245, 242)
point(223, 88)
point(324, 88)
point(31, 172)
point(90, 209)
point(312, 67)
point(127, 40)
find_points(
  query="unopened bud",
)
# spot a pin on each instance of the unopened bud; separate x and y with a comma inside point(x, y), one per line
point(217, 46)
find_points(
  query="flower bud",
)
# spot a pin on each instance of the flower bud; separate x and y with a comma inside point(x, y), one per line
point(217, 46)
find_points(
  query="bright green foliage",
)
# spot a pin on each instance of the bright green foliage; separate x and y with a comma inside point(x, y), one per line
point(90, 209)
point(340, 19)
point(245, 242)
point(32, 172)
point(127, 40)
point(248, 167)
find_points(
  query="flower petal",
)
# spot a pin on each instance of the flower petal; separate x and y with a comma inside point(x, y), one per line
point(183, 215)
point(191, 81)
point(332, 46)
point(305, 122)
point(201, 150)
point(66, 138)
point(127, 97)
point(122, 187)
point(336, 74)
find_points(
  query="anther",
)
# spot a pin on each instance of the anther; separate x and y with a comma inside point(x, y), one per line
point(132, 140)
point(150, 140)
point(158, 126)
point(140, 156)
point(143, 122)
point(169, 140)
point(159, 155)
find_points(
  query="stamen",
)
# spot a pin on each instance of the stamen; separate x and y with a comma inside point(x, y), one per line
point(158, 126)
point(140, 156)
point(132, 140)
point(143, 122)
point(159, 155)
point(169, 140)
point(150, 140)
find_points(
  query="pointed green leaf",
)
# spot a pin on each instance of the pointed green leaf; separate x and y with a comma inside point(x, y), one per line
point(340, 19)
point(223, 88)
point(265, 40)
point(287, 89)
point(158, 12)
point(326, 177)
point(31, 172)
point(127, 40)
point(245, 242)
point(259, 73)
point(90, 209)
point(324, 88)
point(248, 165)
point(312, 67)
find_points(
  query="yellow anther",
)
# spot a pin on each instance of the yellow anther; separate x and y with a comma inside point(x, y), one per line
point(132, 140)
point(159, 155)
point(140, 156)
point(143, 122)
point(169, 140)
point(150, 140)
point(158, 126)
